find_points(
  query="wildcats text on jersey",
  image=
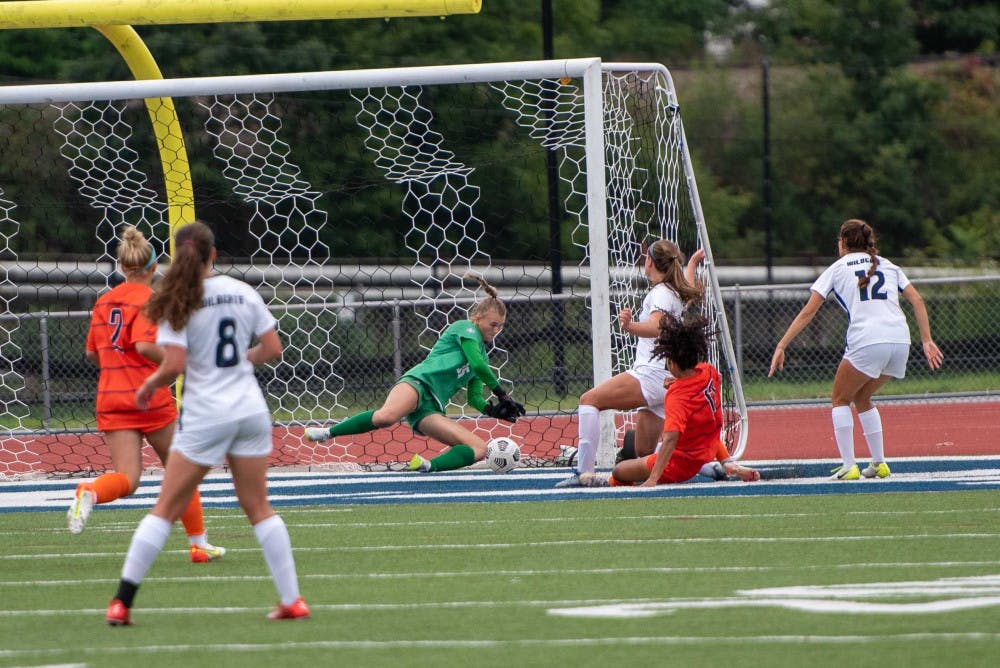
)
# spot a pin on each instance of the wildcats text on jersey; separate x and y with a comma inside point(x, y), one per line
point(217, 300)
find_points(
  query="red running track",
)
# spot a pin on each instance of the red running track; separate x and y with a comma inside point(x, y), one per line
point(911, 430)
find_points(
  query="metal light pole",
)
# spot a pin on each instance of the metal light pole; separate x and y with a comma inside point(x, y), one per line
point(555, 226)
point(766, 169)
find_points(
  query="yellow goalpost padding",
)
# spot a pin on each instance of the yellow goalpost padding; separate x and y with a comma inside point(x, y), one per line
point(84, 13)
point(169, 137)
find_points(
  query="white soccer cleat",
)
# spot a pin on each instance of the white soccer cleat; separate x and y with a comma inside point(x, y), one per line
point(79, 512)
point(594, 480)
point(572, 481)
point(317, 434)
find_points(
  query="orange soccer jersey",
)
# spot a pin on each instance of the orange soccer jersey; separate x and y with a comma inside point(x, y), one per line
point(693, 407)
point(116, 325)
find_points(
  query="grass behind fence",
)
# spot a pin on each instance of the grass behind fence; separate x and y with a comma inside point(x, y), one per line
point(943, 382)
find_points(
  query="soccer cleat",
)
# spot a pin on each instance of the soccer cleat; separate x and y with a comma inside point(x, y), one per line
point(846, 473)
point(567, 455)
point(118, 614)
point(317, 434)
point(744, 473)
point(880, 470)
point(297, 610)
point(418, 463)
point(202, 554)
point(572, 481)
point(79, 512)
point(594, 480)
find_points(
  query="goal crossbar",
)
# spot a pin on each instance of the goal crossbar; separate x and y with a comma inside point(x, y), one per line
point(290, 82)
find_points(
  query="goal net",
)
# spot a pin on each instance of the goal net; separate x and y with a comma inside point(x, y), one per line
point(357, 203)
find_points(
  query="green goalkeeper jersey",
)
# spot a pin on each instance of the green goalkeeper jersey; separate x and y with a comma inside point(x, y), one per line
point(457, 360)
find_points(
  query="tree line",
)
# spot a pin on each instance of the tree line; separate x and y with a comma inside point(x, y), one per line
point(888, 111)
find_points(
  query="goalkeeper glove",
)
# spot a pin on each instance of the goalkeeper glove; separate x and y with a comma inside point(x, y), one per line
point(505, 409)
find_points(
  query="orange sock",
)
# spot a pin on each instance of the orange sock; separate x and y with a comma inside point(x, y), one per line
point(721, 452)
point(615, 482)
point(192, 519)
point(108, 487)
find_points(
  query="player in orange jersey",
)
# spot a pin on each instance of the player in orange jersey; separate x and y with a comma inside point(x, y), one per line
point(724, 467)
point(122, 342)
point(693, 408)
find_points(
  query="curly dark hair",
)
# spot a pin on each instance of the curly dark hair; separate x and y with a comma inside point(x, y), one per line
point(684, 340)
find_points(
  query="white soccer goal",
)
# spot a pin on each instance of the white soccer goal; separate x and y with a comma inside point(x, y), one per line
point(307, 178)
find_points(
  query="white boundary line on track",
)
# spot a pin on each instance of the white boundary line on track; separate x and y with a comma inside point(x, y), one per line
point(344, 488)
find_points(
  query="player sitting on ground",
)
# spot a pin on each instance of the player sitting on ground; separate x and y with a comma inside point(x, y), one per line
point(693, 409)
point(724, 467)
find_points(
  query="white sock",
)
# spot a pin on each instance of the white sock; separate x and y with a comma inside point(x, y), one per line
point(871, 425)
point(147, 542)
point(199, 539)
point(711, 470)
point(272, 534)
point(589, 430)
point(843, 432)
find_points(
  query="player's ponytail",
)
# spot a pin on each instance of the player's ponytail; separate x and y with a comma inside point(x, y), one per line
point(859, 237)
point(491, 303)
point(669, 260)
point(179, 293)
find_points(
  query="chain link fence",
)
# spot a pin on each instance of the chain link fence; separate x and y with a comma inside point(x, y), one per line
point(963, 315)
point(48, 385)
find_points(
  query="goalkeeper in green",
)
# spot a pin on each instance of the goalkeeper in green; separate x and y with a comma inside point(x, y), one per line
point(457, 360)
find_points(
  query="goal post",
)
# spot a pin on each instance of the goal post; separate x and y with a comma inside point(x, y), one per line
point(308, 178)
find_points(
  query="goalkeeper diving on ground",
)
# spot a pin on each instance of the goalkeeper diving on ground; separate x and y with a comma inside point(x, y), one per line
point(458, 360)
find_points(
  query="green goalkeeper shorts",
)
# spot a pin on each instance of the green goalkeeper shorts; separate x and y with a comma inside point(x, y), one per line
point(427, 404)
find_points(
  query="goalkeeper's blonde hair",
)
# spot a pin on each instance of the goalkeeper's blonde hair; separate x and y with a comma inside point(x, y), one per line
point(491, 303)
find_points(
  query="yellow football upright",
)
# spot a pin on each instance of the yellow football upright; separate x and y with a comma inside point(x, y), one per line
point(83, 13)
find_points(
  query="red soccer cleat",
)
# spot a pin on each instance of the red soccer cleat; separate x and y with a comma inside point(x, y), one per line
point(203, 555)
point(297, 610)
point(118, 614)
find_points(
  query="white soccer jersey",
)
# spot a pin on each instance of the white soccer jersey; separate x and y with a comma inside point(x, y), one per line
point(660, 298)
point(219, 385)
point(873, 312)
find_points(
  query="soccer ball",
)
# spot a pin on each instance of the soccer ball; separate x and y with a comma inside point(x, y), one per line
point(503, 455)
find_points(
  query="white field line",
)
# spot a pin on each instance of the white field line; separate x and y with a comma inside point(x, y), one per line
point(714, 641)
point(218, 521)
point(553, 543)
point(389, 486)
point(492, 574)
